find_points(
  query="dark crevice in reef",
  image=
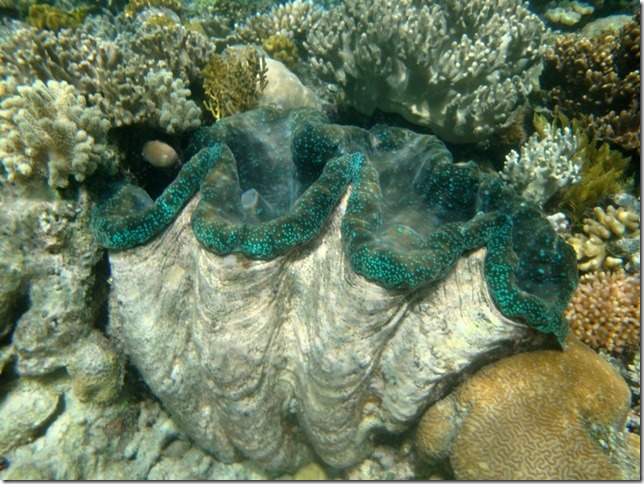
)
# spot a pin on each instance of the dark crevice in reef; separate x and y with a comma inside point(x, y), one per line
point(134, 168)
point(19, 306)
point(100, 292)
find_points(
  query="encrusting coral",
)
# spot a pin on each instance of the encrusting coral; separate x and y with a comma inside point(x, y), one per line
point(423, 61)
point(545, 414)
point(234, 82)
point(610, 240)
point(597, 80)
point(47, 132)
point(604, 311)
point(48, 261)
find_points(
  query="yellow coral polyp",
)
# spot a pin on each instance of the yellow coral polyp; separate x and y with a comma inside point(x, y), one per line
point(234, 82)
point(53, 18)
point(281, 48)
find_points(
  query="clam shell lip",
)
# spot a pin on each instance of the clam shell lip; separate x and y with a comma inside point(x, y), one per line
point(268, 180)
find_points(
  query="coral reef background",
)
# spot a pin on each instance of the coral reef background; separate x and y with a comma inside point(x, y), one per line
point(543, 97)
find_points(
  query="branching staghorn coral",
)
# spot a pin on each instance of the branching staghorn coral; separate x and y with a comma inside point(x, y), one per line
point(601, 175)
point(548, 162)
point(47, 132)
point(234, 81)
point(610, 240)
point(423, 61)
point(597, 80)
point(604, 311)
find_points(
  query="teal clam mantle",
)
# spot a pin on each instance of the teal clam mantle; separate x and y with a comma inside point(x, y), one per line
point(269, 180)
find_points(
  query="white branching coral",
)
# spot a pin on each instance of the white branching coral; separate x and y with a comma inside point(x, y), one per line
point(548, 161)
point(461, 68)
point(48, 133)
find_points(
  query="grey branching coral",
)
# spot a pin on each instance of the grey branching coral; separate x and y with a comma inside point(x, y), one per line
point(604, 312)
point(48, 133)
point(597, 80)
point(293, 20)
point(548, 162)
point(137, 73)
point(461, 68)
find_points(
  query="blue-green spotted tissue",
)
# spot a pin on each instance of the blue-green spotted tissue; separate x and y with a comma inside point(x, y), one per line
point(302, 286)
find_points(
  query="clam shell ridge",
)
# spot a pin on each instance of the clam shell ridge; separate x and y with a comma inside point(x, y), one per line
point(302, 286)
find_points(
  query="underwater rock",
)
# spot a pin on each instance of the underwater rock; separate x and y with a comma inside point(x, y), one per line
point(129, 438)
point(51, 295)
point(285, 90)
point(25, 408)
point(546, 414)
point(294, 311)
point(160, 154)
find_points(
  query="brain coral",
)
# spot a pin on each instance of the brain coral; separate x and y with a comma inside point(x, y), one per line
point(539, 415)
point(293, 308)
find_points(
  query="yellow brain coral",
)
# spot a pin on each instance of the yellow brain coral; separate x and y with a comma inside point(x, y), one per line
point(47, 17)
point(604, 312)
point(281, 48)
point(547, 414)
